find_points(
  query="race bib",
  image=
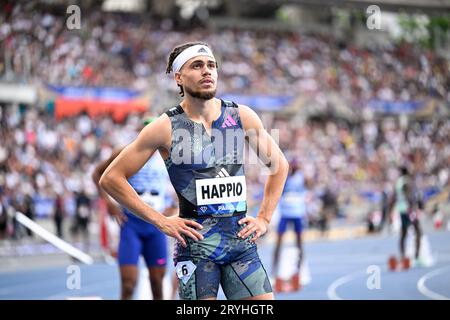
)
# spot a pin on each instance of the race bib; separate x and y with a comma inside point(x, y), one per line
point(221, 190)
point(293, 198)
point(154, 201)
point(184, 270)
point(220, 196)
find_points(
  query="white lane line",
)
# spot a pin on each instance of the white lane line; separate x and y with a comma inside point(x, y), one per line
point(331, 291)
point(427, 292)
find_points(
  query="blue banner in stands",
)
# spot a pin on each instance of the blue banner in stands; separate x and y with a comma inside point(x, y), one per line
point(95, 93)
point(396, 106)
point(261, 102)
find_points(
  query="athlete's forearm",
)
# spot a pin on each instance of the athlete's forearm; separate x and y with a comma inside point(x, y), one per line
point(120, 190)
point(273, 190)
point(101, 193)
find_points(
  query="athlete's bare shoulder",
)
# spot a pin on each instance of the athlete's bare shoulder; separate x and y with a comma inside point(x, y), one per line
point(249, 118)
point(157, 134)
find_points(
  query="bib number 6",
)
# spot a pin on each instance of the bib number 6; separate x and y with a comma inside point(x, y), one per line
point(185, 269)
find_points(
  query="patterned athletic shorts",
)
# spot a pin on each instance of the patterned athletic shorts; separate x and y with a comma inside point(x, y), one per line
point(220, 258)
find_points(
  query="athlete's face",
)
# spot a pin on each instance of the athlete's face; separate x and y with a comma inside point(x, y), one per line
point(198, 76)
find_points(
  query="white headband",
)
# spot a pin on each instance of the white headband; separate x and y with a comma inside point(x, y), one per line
point(189, 53)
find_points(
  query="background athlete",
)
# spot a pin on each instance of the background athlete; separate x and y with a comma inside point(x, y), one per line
point(138, 237)
point(292, 211)
point(406, 204)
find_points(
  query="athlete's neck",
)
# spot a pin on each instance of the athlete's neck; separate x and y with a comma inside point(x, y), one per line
point(200, 110)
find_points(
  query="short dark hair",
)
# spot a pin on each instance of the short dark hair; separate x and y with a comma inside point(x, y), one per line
point(175, 52)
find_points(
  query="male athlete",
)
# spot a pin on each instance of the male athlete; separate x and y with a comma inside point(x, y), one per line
point(292, 211)
point(202, 141)
point(138, 237)
point(405, 200)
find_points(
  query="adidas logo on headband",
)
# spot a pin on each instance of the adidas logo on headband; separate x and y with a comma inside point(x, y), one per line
point(189, 53)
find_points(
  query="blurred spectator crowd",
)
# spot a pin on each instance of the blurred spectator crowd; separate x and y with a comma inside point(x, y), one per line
point(131, 51)
point(45, 163)
point(345, 164)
